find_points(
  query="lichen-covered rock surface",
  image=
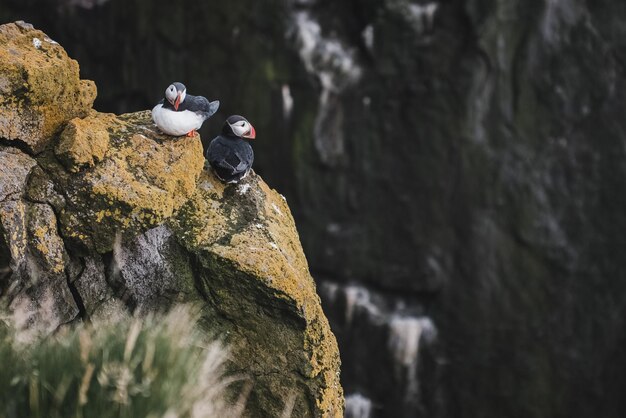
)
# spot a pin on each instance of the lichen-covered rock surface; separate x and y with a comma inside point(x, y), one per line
point(40, 88)
point(102, 217)
point(123, 176)
point(244, 238)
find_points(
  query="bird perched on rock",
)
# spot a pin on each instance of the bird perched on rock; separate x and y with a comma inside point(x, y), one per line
point(229, 154)
point(180, 113)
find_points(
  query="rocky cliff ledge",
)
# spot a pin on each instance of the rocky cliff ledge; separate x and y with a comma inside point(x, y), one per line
point(101, 217)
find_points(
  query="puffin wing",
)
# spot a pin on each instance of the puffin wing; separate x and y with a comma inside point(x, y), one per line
point(201, 104)
point(228, 161)
point(247, 154)
point(242, 155)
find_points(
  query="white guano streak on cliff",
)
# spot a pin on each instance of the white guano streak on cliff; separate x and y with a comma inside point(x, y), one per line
point(358, 298)
point(358, 406)
point(287, 101)
point(276, 209)
point(422, 16)
point(336, 68)
point(558, 16)
point(327, 58)
point(368, 37)
point(330, 289)
point(243, 189)
point(405, 335)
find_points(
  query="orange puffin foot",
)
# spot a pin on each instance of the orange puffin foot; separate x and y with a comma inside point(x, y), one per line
point(192, 133)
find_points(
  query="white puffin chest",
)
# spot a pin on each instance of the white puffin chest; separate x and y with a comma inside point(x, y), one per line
point(176, 123)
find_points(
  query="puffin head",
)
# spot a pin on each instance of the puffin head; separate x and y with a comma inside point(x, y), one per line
point(238, 126)
point(175, 94)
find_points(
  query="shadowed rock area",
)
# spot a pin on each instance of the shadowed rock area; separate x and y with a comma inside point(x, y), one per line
point(102, 217)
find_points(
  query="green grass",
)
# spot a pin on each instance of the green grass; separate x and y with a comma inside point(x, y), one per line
point(159, 366)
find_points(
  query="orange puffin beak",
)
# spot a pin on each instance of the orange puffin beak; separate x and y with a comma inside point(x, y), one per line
point(251, 134)
point(177, 102)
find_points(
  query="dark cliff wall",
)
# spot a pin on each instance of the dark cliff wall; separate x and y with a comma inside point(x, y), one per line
point(456, 169)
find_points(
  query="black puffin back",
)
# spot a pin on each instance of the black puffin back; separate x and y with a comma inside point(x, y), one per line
point(230, 157)
point(199, 104)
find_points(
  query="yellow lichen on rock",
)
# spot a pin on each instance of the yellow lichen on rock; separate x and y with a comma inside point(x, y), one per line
point(13, 227)
point(40, 87)
point(256, 272)
point(47, 245)
point(14, 169)
point(84, 142)
point(124, 176)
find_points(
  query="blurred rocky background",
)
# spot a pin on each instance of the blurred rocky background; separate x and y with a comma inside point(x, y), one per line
point(457, 171)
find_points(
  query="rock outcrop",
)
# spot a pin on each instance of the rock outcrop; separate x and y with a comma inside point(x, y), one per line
point(102, 216)
point(40, 88)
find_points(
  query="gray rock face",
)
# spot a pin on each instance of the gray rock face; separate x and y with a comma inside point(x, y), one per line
point(154, 254)
point(471, 174)
point(33, 255)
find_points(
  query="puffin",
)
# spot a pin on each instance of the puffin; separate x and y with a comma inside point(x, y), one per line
point(229, 154)
point(180, 113)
